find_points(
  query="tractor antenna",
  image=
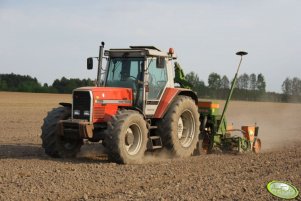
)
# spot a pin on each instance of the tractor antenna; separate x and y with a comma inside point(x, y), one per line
point(241, 54)
point(100, 64)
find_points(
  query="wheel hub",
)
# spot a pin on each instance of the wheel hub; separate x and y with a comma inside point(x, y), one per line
point(186, 128)
point(180, 128)
point(133, 139)
point(129, 137)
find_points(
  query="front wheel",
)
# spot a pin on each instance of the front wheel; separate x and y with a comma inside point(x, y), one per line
point(54, 144)
point(126, 137)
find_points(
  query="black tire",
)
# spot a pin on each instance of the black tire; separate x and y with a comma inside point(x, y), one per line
point(204, 146)
point(57, 146)
point(126, 137)
point(182, 142)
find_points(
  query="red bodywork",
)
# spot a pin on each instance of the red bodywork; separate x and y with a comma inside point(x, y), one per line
point(106, 101)
point(167, 98)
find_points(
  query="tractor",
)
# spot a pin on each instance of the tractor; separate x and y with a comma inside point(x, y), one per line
point(141, 103)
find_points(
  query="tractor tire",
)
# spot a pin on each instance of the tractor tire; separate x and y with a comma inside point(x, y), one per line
point(126, 139)
point(57, 146)
point(179, 128)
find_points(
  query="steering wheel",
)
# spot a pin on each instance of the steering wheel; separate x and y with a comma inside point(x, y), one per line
point(130, 76)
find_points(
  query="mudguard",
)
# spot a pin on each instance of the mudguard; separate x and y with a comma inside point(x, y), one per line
point(168, 97)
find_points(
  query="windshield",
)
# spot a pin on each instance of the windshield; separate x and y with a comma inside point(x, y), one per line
point(124, 72)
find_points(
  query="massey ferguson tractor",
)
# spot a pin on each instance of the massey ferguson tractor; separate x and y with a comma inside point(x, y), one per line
point(141, 103)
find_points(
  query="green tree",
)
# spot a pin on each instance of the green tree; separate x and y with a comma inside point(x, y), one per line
point(192, 78)
point(225, 83)
point(197, 84)
point(214, 81)
point(287, 86)
point(243, 81)
point(13, 82)
point(296, 86)
point(253, 82)
point(3, 85)
point(65, 85)
point(261, 85)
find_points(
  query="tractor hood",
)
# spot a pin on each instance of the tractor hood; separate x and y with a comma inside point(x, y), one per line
point(100, 103)
point(109, 95)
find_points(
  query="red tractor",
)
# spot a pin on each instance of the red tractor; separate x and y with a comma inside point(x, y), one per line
point(135, 107)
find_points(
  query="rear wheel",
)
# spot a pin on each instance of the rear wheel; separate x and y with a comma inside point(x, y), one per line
point(179, 128)
point(127, 137)
point(54, 144)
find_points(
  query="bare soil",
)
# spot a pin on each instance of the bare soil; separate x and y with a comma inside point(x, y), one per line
point(26, 173)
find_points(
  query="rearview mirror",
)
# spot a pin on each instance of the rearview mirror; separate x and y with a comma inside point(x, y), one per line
point(161, 62)
point(90, 63)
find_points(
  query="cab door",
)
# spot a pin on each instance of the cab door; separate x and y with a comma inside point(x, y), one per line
point(157, 79)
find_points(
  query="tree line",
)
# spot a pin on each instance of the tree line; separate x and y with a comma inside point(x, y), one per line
point(248, 87)
point(26, 83)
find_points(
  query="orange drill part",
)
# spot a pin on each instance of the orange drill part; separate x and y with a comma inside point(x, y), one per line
point(249, 132)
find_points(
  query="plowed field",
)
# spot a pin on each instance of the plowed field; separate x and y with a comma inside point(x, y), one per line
point(26, 173)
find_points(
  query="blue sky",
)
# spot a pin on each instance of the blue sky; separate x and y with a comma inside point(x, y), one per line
point(51, 39)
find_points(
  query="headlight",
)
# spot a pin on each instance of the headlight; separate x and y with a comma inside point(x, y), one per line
point(76, 112)
point(86, 113)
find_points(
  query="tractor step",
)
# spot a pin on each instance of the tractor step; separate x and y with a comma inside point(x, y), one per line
point(154, 143)
point(153, 127)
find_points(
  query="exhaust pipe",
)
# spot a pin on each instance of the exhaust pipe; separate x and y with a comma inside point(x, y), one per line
point(100, 64)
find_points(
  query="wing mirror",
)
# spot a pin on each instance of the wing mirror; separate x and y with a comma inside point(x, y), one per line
point(160, 62)
point(90, 63)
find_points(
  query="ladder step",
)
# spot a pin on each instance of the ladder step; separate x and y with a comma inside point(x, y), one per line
point(154, 142)
point(155, 137)
point(153, 127)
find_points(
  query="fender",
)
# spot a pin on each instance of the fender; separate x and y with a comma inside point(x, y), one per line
point(169, 96)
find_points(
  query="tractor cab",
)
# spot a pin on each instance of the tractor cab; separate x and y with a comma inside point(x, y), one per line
point(146, 70)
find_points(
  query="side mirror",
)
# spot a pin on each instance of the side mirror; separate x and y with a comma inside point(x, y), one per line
point(161, 62)
point(90, 63)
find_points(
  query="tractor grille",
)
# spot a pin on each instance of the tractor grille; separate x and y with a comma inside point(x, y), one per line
point(81, 105)
point(99, 113)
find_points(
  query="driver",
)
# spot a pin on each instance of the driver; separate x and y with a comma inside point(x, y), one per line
point(125, 71)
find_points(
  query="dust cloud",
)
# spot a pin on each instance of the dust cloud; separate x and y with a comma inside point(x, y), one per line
point(279, 123)
point(279, 127)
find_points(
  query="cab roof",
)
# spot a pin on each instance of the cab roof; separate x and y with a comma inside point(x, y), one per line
point(136, 51)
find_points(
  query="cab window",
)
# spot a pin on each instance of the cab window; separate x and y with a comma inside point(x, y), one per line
point(157, 79)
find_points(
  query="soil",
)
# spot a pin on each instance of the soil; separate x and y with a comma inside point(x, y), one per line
point(26, 173)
